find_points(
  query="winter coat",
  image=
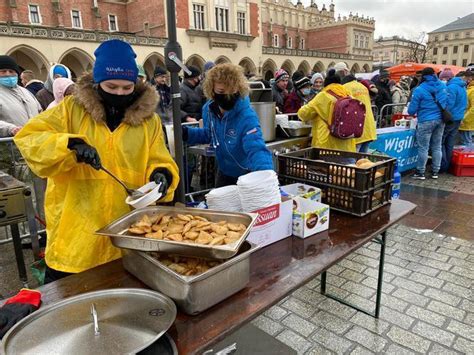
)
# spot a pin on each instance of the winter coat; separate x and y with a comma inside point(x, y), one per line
point(319, 111)
point(17, 106)
point(60, 86)
point(359, 92)
point(457, 98)
point(164, 109)
point(422, 103)
point(279, 97)
point(468, 123)
point(34, 86)
point(237, 138)
point(293, 102)
point(191, 102)
point(45, 96)
point(384, 97)
point(399, 96)
point(80, 199)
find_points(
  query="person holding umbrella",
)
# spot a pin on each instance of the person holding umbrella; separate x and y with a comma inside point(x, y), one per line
point(110, 120)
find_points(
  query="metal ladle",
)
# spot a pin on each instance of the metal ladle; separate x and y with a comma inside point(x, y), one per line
point(134, 194)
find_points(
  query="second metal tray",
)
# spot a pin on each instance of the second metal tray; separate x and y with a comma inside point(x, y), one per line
point(116, 230)
point(193, 294)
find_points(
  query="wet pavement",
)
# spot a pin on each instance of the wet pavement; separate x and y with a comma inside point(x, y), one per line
point(427, 300)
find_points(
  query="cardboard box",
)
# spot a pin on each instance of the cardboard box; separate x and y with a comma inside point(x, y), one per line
point(309, 217)
point(302, 190)
point(274, 223)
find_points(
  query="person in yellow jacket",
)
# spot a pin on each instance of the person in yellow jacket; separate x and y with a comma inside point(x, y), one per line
point(109, 121)
point(319, 113)
point(360, 93)
point(466, 129)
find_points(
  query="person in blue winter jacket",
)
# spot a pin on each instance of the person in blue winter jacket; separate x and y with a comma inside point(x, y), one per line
point(457, 103)
point(231, 126)
point(424, 104)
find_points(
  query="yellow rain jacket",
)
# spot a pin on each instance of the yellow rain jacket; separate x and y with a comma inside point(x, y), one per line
point(360, 92)
point(319, 110)
point(467, 123)
point(79, 200)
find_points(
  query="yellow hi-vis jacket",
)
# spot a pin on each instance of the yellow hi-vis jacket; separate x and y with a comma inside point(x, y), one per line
point(360, 92)
point(79, 200)
point(319, 112)
point(467, 123)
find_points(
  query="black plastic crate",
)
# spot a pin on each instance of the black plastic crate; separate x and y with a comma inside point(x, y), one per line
point(345, 188)
point(329, 167)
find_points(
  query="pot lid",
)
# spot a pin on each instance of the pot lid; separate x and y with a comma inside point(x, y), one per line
point(112, 321)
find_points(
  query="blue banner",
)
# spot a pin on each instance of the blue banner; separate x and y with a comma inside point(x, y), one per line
point(398, 143)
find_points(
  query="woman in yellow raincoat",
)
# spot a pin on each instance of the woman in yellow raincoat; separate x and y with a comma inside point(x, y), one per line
point(466, 129)
point(361, 93)
point(110, 120)
point(319, 112)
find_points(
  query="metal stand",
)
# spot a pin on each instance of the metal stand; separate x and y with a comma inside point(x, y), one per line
point(20, 261)
point(33, 236)
point(375, 314)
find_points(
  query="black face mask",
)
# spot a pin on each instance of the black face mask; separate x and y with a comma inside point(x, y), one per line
point(118, 102)
point(226, 101)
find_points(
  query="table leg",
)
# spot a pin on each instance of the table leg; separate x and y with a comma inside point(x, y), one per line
point(382, 243)
point(323, 282)
point(375, 314)
point(20, 261)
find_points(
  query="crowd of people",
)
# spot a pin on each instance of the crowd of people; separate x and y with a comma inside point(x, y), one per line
point(67, 130)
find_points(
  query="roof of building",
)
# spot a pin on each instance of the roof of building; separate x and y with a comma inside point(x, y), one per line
point(463, 23)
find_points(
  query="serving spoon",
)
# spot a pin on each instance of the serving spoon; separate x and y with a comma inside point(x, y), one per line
point(134, 194)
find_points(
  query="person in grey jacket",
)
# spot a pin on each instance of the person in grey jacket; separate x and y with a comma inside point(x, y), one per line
point(191, 99)
point(17, 104)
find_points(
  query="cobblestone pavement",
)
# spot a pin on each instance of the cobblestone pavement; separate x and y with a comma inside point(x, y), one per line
point(446, 182)
point(427, 301)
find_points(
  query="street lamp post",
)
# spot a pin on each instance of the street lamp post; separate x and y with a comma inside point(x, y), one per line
point(173, 55)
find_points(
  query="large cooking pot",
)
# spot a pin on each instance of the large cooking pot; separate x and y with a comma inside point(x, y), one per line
point(266, 116)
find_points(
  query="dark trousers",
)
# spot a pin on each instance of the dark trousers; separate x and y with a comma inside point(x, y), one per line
point(224, 180)
point(52, 275)
point(449, 140)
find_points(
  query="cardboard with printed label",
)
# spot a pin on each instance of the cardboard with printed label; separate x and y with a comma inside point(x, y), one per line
point(274, 223)
point(302, 190)
point(309, 217)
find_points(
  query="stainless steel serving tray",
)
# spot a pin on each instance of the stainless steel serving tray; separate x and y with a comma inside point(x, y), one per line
point(116, 230)
point(298, 132)
point(193, 294)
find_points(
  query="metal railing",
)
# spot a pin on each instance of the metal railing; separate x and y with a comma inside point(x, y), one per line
point(381, 118)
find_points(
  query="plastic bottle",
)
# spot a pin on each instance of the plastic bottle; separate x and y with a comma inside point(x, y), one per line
point(397, 181)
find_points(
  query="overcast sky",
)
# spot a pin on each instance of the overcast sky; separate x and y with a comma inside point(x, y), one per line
point(406, 18)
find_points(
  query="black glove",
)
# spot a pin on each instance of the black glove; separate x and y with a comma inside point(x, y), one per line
point(11, 314)
point(85, 153)
point(17, 308)
point(185, 133)
point(163, 176)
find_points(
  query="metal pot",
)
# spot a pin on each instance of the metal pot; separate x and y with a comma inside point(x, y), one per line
point(266, 116)
point(121, 320)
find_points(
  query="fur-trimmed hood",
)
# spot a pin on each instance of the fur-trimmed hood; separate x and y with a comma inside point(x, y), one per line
point(143, 107)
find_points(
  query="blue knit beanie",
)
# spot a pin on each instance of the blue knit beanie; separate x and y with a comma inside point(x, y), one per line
point(60, 70)
point(115, 59)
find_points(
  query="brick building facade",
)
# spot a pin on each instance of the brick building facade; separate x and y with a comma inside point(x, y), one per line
point(260, 35)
